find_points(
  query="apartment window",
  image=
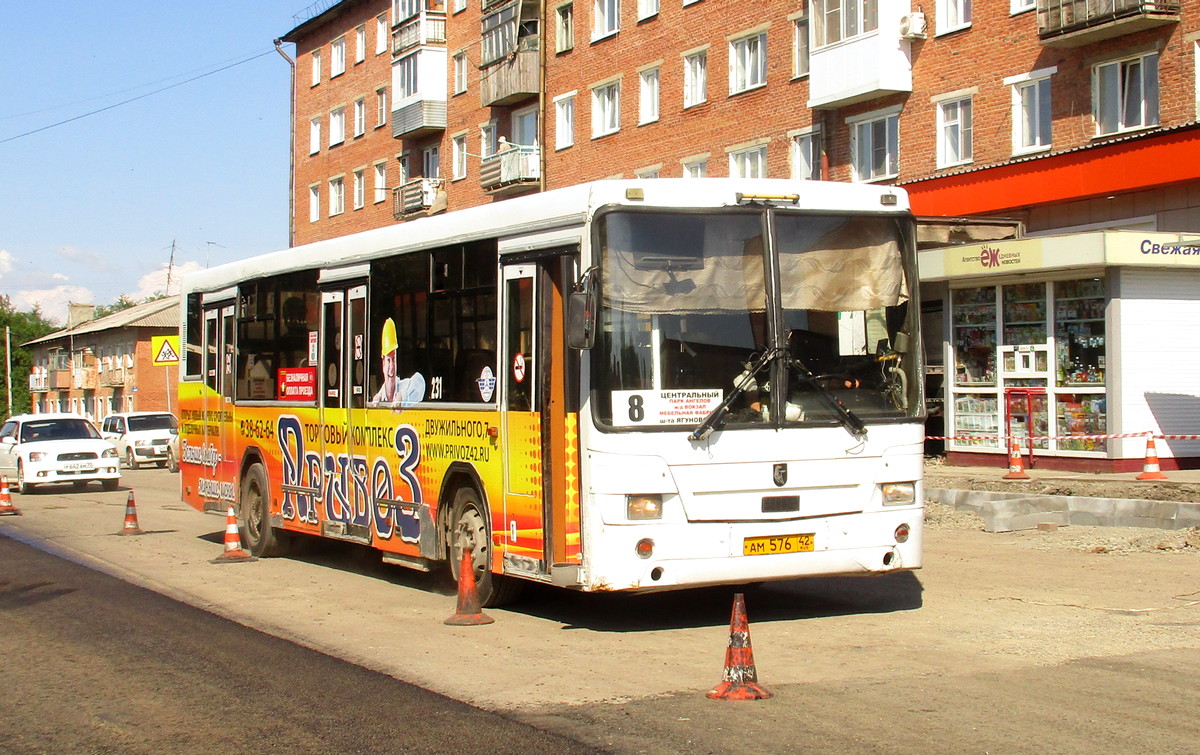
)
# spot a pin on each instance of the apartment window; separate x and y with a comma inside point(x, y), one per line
point(564, 121)
point(748, 163)
point(875, 146)
point(695, 168)
point(360, 188)
point(499, 32)
point(488, 141)
point(337, 196)
point(1031, 111)
point(314, 203)
point(1126, 94)
point(402, 10)
point(954, 132)
point(647, 8)
point(459, 145)
point(748, 63)
point(404, 168)
point(695, 78)
point(381, 106)
point(800, 46)
point(606, 18)
point(606, 109)
point(564, 27)
point(952, 15)
point(337, 126)
point(1020, 6)
point(360, 117)
point(460, 72)
point(459, 6)
point(314, 136)
point(654, 172)
point(381, 34)
point(806, 155)
point(316, 67)
point(337, 57)
point(525, 127)
point(404, 77)
point(648, 96)
point(431, 162)
point(360, 44)
point(836, 20)
point(380, 182)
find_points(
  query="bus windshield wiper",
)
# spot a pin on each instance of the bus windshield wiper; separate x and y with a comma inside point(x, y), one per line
point(747, 381)
point(848, 418)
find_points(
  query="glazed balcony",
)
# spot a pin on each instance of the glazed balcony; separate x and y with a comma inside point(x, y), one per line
point(1074, 23)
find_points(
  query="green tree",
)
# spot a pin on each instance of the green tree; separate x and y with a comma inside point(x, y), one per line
point(124, 301)
point(22, 328)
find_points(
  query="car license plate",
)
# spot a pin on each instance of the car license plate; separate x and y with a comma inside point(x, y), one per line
point(78, 466)
point(765, 546)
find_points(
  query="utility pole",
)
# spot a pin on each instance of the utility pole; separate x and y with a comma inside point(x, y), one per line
point(8, 364)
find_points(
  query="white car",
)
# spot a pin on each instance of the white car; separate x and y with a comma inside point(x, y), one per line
point(56, 447)
point(141, 437)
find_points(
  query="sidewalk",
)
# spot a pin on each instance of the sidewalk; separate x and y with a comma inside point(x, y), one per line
point(1056, 498)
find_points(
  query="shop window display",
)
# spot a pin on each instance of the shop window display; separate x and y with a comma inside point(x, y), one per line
point(974, 315)
point(1079, 332)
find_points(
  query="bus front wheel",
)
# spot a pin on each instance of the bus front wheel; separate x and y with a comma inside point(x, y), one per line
point(262, 539)
point(470, 530)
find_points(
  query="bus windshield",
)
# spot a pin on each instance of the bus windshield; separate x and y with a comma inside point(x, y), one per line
point(719, 312)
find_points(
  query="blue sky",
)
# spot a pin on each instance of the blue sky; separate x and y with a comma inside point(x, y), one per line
point(89, 209)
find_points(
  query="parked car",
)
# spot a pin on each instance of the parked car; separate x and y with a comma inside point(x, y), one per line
point(56, 447)
point(173, 453)
point(141, 437)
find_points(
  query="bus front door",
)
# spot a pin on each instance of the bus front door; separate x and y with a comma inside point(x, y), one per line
point(519, 529)
point(344, 509)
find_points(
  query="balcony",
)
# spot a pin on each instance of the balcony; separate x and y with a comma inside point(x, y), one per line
point(112, 378)
point(84, 378)
point(509, 170)
point(60, 380)
point(426, 28)
point(1074, 23)
point(416, 196)
point(419, 118)
point(866, 66)
point(39, 382)
point(513, 78)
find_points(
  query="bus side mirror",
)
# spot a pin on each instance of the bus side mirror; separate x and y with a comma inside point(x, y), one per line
point(581, 319)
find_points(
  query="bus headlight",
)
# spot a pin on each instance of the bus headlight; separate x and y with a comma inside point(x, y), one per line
point(643, 506)
point(898, 493)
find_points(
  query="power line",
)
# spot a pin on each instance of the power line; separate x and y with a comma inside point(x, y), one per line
point(135, 99)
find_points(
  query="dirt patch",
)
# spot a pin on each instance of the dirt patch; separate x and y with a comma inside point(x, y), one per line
point(939, 475)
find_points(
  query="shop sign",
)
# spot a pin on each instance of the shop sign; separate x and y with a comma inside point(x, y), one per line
point(975, 259)
point(1158, 249)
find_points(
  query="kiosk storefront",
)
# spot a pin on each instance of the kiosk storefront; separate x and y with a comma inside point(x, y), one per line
point(1078, 347)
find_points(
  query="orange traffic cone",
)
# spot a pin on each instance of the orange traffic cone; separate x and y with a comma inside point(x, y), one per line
point(1150, 469)
point(131, 523)
point(741, 678)
point(233, 542)
point(469, 613)
point(6, 505)
point(1016, 465)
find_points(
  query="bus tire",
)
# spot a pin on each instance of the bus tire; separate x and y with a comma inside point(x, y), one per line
point(470, 529)
point(261, 539)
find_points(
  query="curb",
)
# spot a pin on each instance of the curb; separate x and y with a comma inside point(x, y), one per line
point(1006, 512)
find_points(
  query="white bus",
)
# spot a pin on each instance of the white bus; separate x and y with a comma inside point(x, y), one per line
point(621, 385)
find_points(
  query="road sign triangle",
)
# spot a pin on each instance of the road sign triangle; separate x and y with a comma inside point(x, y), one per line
point(166, 354)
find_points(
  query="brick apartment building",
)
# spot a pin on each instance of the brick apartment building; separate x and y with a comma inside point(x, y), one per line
point(96, 367)
point(1074, 121)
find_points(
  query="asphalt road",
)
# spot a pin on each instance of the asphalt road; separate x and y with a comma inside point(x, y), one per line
point(1003, 643)
point(92, 664)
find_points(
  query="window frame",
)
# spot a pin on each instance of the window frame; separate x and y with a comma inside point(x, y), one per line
point(460, 72)
point(801, 47)
point(360, 116)
point(337, 57)
point(748, 62)
point(955, 131)
point(337, 125)
point(738, 161)
point(316, 67)
point(360, 43)
point(564, 120)
point(890, 120)
point(314, 136)
point(381, 187)
point(360, 188)
point(458, 156)
point(649, 93)
point(606, 108)
point(695, 78)
point(337, 195)
point(806, 144)
point(836, 21)
point(1149, 102)
point(952, 16)
point(606, 18)
point(564, 27)
point(1028, 121)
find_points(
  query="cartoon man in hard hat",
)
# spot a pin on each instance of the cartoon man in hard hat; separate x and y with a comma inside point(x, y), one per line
point(395, 392)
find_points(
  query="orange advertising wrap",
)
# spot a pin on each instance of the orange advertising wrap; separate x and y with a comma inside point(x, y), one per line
point(379, 479)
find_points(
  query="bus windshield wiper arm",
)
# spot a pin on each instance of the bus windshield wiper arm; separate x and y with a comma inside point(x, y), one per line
point(709, 423)
point(848, 418)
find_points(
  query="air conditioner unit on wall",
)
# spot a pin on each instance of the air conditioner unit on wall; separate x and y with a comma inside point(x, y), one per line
point(913, 25)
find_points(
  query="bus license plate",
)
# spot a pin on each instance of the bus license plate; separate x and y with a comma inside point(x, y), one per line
point(765, 546)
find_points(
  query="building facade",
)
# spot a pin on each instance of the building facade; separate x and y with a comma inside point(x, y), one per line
point(96, 367)
point(1047, 118)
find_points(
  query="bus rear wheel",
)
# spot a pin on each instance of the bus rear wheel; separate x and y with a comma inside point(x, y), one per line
point(262, 539)
point(470, 530)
